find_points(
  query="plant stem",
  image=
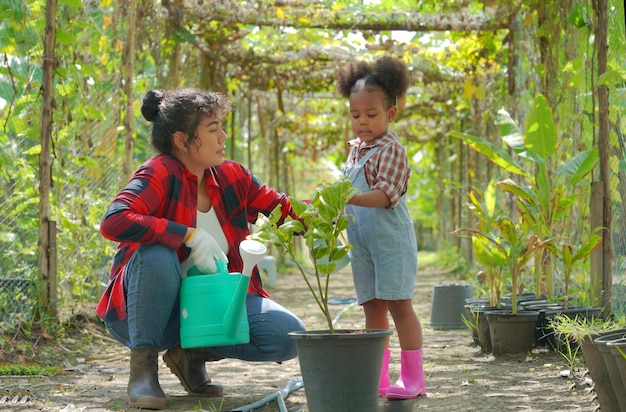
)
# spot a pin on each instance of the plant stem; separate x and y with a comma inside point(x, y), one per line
point(319, 299)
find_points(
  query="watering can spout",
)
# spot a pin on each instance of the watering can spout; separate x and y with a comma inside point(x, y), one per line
point(251, 253)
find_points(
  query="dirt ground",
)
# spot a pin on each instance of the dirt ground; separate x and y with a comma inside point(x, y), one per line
point(459, 377)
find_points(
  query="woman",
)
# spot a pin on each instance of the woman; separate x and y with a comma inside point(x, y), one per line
point(185, 206)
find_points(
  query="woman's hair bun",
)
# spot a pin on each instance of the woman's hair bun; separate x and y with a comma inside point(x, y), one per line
point(150, 106)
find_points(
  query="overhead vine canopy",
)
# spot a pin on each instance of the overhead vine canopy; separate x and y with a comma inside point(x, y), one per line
point(261, 36)
point(295, 47)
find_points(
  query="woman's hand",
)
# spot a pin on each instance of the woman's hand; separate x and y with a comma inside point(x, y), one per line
point(205, 251)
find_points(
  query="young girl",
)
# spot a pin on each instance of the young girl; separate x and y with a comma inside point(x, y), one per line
point(384, 263)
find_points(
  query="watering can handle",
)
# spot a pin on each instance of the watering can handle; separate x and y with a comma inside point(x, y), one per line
point(222, 269)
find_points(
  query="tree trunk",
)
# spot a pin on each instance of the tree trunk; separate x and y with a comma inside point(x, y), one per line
point(602, 92)
point(46, 299)
point(128, 61)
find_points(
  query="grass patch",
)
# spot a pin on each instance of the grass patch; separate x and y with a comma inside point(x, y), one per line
point(12, 369)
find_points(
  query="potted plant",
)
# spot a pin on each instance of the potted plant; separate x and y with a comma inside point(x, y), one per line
point(340, 367)
point(544, 194)
point(512, 332)
point(483, 206)
point(570, 256)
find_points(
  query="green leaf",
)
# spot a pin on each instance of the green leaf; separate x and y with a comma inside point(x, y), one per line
point(530, 215)
point(35, 150)
point(510, 132)
point(72, 3)
point(508, 230)
point(91, 112)
point(587, 247)
point(580, 165)
point(341, 252)
point(485, 254)
point(63, 37)
point(540, 137)
point(276, 214)
point(490, 198)
point(297, 206)
point(523, 192)
point(564, 204)
point(495, 154)
point(579, 16)
point(326, 268)
point(343, 222)
point(612, 77)
point(566, 254)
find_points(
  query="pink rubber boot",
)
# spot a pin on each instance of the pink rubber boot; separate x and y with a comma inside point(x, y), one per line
point(384, 373)
point(411, 383)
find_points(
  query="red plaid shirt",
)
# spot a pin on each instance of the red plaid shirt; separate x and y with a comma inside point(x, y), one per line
point(388, 169)
point(160, 202)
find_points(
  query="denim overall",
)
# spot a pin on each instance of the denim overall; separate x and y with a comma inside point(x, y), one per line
point(384, 247)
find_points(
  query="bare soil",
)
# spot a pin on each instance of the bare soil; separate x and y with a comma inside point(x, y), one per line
point(459, 377)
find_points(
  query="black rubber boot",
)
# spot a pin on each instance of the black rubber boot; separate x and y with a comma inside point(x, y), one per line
point(144, 390)
point(188, 366)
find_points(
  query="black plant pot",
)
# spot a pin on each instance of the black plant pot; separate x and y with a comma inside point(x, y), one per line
point(612, 370)
point(512, 335)
point(341, 371)
point(475, 313)
point(448, 306)
point(598, 371)
point(524, 297)
point(618, 350)
point(545, 334)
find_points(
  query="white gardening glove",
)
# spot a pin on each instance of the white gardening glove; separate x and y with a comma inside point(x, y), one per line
point(205, 251)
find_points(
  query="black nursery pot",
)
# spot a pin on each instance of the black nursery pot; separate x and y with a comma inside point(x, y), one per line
point(475, 314)
point(512, 335)
point(612, 369)
point(545, 334)
point(341, 371)
point(594, 360)
point(447, 307)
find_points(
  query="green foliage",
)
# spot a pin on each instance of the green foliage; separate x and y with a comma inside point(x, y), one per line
point(322, 221)
point(493, 261)
point(546, 194)
point(80, 185)
point(448, 258)
point(580, 327)
point(509, 245)
point(29, 370)
point(569, 351)
point(570, 255)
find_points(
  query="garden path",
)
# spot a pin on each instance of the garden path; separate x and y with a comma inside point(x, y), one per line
point(459, 376)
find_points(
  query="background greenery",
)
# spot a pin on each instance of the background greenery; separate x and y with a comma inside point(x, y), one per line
point(277, 60)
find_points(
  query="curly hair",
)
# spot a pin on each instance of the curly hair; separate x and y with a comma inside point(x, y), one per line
point(387, 74)
point(180, 110)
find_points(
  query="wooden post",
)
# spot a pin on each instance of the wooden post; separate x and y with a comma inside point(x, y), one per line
point(53, 297)
point(602, 94)
point(45, 172)
point(128, 61)
point(596, 258)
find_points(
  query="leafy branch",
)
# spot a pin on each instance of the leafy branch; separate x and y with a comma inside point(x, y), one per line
point(321, 223)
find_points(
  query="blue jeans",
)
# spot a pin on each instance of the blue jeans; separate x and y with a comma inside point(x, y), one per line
point(152, 284)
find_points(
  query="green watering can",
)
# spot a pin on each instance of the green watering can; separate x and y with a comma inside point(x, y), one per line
point(213, 305)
